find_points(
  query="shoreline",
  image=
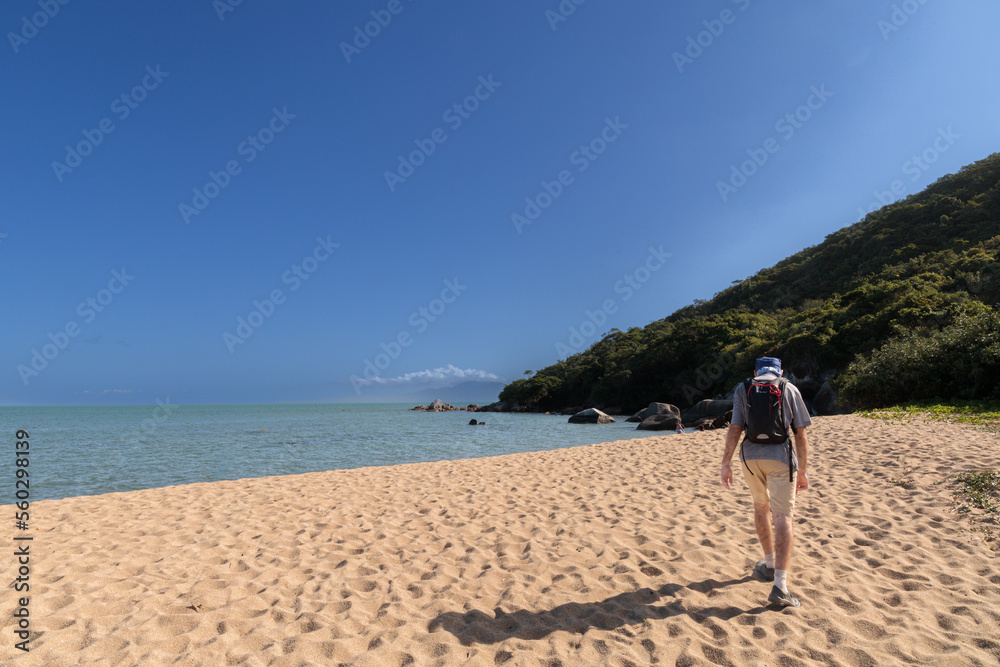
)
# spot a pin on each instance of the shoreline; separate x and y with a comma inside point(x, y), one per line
point(88, 452)
point(593, 554)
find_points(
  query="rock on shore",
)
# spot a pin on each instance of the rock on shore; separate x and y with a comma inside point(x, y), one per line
point(707, 408)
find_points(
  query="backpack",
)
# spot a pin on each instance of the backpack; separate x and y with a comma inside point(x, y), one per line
point(765, 416)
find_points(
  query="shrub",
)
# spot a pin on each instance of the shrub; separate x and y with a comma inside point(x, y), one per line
point(958, 361)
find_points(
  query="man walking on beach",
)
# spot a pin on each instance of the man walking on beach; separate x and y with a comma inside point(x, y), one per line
point(768, 467)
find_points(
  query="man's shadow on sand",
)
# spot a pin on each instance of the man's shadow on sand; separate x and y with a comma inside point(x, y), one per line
point(476, 627)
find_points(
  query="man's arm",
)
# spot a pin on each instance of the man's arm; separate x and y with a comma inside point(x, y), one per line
point(801, 453)
point(732, 440)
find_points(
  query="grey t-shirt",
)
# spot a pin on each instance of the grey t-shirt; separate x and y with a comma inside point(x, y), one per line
point(796, 415)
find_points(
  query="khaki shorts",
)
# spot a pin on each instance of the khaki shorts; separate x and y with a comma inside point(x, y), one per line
point(769, 484)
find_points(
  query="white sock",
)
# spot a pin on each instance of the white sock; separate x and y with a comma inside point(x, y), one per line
point(769, 560)
point(781, 580)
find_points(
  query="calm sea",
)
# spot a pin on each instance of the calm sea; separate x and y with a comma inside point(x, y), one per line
point(87, 450)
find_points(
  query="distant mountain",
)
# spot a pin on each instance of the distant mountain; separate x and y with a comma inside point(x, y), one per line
point(898, 306)
point(461, 394)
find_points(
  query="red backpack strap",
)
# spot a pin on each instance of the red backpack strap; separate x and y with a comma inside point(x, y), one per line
point(782, 381)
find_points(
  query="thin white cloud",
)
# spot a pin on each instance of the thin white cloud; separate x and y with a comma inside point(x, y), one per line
point(104, 392)
point(438, 378)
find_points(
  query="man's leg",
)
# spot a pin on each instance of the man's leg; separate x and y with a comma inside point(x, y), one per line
point(783, 559)
point(782, 540)
point(782, 493)
point(762, 521)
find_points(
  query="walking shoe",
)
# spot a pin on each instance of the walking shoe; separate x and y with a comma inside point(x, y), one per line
point(763, 571)
point(781, 598)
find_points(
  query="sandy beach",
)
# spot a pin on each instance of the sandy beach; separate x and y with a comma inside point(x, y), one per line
point(624, 553)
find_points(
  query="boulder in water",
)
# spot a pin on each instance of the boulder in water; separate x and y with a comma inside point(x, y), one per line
point(591, 416)
point(661, 422)
point(655, 409)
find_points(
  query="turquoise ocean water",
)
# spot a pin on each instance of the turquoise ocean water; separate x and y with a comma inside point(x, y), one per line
point(88, 450)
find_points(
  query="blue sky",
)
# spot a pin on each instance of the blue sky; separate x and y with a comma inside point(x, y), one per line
point(458, 191)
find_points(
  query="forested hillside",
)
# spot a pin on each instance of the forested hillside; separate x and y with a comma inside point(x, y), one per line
point(899, 306)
